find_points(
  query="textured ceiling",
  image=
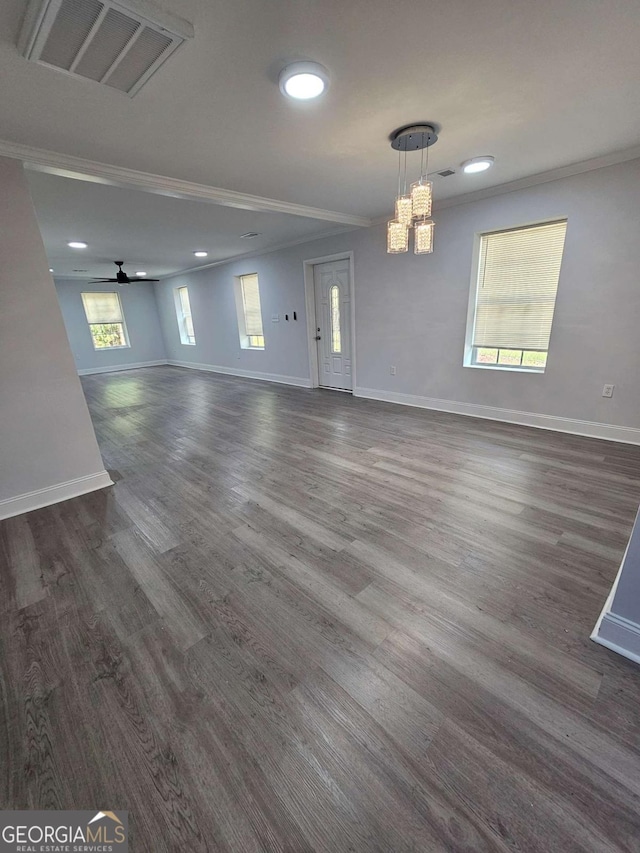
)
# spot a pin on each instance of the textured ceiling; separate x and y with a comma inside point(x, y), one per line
point(153, 233)
point(537, 84)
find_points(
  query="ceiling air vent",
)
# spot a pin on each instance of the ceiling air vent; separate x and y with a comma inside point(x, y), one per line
point(120, 44)
point(446, 173)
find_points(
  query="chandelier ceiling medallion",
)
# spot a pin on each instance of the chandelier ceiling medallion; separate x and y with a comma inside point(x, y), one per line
point(413, 206)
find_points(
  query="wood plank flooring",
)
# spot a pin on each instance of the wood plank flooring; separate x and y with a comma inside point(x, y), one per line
point(306, 622)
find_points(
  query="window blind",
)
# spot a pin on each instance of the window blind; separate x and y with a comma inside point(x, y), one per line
point(184, 301)
point(102, 307)
point(517, 285)
point(251, 305)
point(185, 308)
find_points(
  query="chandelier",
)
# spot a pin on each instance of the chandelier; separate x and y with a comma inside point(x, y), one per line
point(413, 207)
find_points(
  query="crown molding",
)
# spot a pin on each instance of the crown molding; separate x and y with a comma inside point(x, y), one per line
point(68, 166)
point(557, 174)
point(256, 253)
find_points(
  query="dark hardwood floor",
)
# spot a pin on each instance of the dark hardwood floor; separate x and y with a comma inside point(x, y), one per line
point(306, 622)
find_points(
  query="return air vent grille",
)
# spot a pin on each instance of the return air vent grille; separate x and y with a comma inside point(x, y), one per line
point(120, 44)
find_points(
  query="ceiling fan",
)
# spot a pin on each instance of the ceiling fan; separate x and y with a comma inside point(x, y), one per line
point(121, 277)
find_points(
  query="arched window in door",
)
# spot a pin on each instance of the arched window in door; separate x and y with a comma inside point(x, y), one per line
point(334, 305)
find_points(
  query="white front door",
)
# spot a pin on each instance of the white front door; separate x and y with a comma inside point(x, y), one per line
point(332, 285)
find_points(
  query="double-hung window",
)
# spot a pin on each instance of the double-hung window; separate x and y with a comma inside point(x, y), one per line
point(513, 301)
point(105, 319)
point(249, 312)
point(185, 321)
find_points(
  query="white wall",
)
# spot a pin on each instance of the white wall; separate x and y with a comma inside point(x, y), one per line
point(411, 311)
point(146, 344)
point(213, 307)
point(48, 449)
point(618, 627)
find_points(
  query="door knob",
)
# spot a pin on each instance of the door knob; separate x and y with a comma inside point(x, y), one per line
point(317, 338)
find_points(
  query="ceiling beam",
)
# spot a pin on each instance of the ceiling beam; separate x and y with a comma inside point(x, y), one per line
point(68, 166)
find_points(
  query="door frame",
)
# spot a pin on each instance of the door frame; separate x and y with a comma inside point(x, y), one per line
point(312, 325)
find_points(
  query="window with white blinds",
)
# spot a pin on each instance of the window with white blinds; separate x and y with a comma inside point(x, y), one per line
point(518, 272)
point(252, 312)
point(106, 320)
point(185, 321)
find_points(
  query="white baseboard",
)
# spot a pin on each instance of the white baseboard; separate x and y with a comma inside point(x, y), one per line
point(618, 634)
point(247, 374)
point(54, 494)
point(609, 432)
point(85, 371)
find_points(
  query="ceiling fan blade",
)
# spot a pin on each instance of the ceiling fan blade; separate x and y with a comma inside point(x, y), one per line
point(145, 279)
point(101, 280)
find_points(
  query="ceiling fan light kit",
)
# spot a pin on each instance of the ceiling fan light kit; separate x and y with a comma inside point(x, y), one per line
point(413, 208)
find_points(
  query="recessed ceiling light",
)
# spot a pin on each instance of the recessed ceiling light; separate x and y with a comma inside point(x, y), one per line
point(201, 254)
point(142, 272)
point(249, 235)
point(50, 269)
point(76, 244)
point(477, 164)
point(303, 80)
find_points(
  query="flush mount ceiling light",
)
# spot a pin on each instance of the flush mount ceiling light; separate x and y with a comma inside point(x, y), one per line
point(303, 80)
point(201, 254)
point(413, 207)
point(77, 244)
point(477, 164)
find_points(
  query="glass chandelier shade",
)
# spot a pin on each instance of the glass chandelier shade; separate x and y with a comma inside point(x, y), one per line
point(397, 237)
point(421, 198)
point(404, 209)
point(423, 237)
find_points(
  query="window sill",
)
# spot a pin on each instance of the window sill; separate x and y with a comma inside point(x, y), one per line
point(255, 349)
point(188, 343)
point(102, 349)
point(504, 369)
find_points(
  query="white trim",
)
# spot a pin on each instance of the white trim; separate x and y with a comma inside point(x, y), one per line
point(310, 310)
point(505, 369)
point(68, 166)
point(612, 159)
point(258, 253)
point(615, 632)
point(300, 381)
point(473, 301)
point(592, 429)
point(54, 494)
point(611, 596)
point(114, 368)
point(620, 635)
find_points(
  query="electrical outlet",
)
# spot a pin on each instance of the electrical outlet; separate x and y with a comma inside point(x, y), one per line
point(607, 391)
point(392, 370)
